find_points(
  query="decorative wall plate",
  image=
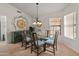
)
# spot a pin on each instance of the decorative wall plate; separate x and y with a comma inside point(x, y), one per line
point(20, 23)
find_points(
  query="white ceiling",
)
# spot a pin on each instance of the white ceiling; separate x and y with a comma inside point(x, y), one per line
point(44, 8)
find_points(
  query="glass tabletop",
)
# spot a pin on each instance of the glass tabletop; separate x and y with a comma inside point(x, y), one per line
point(42, 37)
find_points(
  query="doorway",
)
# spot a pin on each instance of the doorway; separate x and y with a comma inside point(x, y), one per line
point(55, 24)
point(3, 29)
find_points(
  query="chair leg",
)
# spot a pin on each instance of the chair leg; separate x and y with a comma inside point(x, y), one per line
point(25, 45)
point(22, 44)
point(54, 50)
point(31, 48)
point(44, 47)
point(37, 52)
point(56, 47)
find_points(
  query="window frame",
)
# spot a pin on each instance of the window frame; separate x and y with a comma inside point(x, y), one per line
point(74, 25)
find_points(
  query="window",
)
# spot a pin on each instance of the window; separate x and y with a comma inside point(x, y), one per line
point(70, 25)
point(55, 24)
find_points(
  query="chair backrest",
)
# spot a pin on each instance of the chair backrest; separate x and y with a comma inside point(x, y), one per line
point(34, 39)
point(55, 38)
point(47, 33)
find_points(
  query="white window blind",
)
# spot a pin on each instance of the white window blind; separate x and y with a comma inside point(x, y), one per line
point(70, 25)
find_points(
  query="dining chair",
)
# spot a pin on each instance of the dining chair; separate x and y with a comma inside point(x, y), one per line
point(52, 42)
point(37, 46)
point(25, 39)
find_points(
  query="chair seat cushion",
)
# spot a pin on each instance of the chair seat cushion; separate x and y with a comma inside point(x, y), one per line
point(40, 42)
point(28, 39)
point(51, 37)
point(49, 41)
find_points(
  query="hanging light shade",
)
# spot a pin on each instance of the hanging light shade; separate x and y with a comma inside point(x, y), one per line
point(37, 23)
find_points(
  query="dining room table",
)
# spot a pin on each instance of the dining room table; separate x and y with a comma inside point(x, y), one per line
point(42, 37)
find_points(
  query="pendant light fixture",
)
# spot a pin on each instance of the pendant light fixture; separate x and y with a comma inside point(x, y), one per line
point(37, 23)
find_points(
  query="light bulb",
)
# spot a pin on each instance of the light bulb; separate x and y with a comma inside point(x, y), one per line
point(34, 23)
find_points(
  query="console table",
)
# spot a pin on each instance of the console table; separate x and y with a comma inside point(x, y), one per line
point(16, 37)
